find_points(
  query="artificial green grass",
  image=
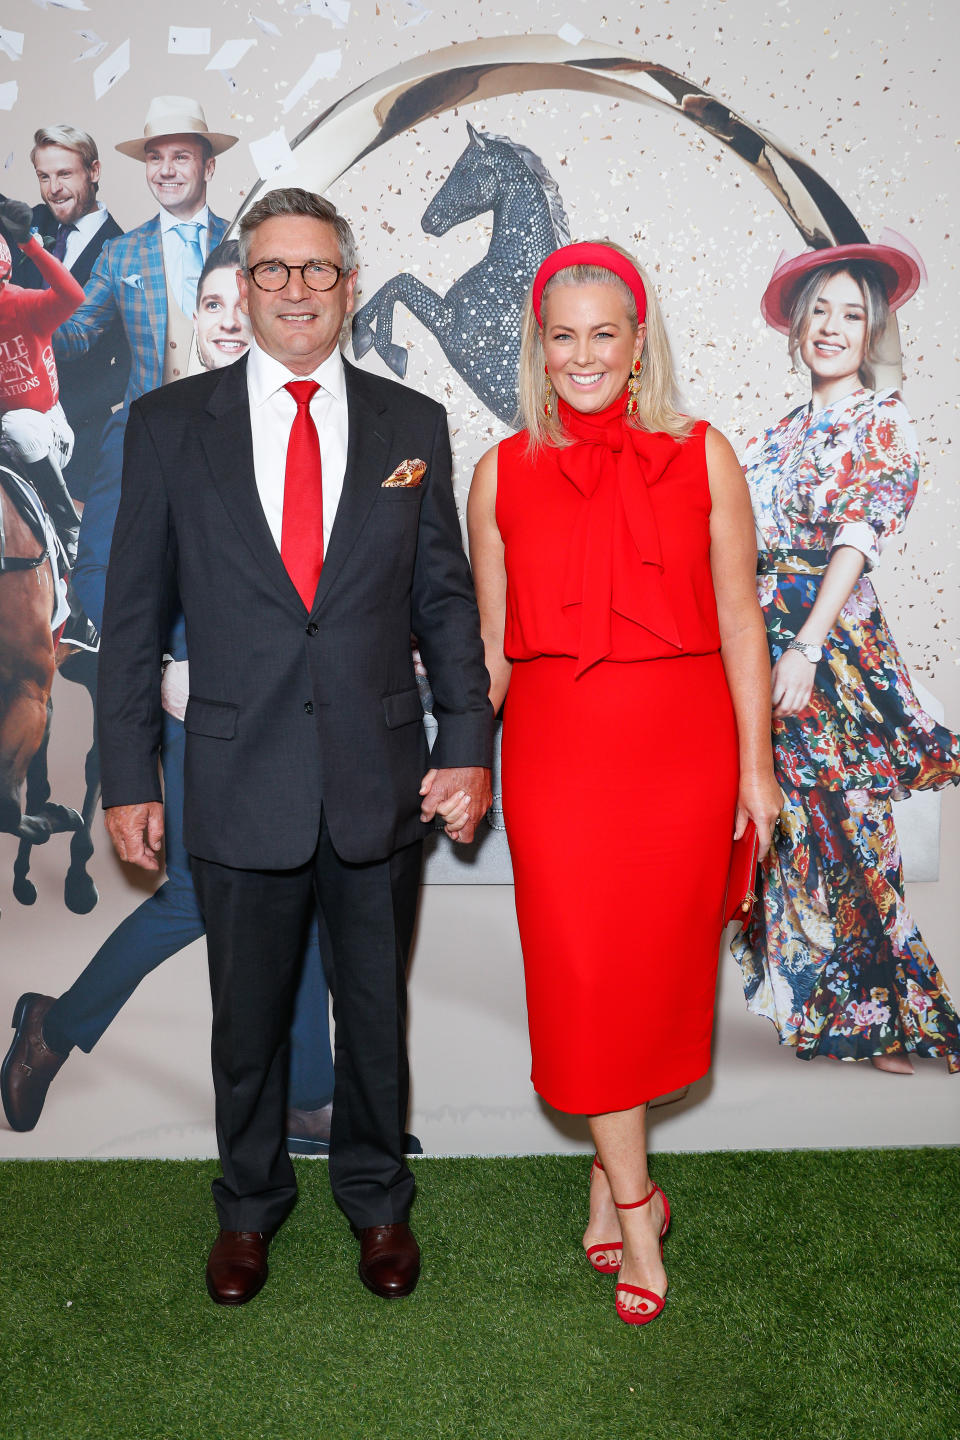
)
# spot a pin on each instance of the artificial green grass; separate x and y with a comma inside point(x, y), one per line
point(813, 1296)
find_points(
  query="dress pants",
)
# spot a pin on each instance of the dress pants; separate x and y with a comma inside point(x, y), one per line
point(163, 925)
point(256, 921)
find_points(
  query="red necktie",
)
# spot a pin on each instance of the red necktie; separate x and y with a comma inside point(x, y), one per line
point(301, 534)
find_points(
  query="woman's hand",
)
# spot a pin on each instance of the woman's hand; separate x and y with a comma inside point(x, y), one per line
point(760, 800)
point(792, 685)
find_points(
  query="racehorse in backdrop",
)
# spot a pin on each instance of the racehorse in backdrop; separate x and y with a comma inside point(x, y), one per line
point(27, 667)
point(477, 322)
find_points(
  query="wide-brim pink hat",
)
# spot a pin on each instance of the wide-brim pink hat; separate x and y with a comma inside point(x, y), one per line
point(898, 265)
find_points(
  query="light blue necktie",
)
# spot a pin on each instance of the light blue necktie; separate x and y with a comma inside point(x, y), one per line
point(189, 232)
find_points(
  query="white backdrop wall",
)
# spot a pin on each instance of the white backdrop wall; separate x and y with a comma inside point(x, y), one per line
point(860, 92)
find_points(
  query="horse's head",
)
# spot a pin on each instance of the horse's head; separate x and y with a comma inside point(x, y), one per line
point(470, 189)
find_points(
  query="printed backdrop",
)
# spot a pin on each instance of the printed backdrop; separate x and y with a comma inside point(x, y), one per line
point(864, 101)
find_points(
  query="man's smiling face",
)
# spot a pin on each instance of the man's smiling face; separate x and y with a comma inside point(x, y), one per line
point(177, 173)
point(298, 326)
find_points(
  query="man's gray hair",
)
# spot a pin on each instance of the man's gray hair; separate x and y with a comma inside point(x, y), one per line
point(294, 201)
point(68, 138)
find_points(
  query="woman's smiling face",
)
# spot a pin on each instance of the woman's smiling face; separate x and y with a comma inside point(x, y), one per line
point(834, 345)
point(589, 344)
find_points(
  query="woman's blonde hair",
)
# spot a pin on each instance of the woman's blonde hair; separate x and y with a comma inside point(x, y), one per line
point(875, 305)
point(659, 398)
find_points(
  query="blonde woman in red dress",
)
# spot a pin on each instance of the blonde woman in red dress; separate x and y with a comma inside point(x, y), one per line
point(613, 550)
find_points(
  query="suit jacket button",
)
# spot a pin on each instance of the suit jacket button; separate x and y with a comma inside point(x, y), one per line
point(308, 707)
point(313, 628)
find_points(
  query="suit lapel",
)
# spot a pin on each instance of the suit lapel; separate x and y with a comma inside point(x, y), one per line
point(216, 229)
point(368, 440)
point(154, 284)
point(228, 443)
point(84, 261)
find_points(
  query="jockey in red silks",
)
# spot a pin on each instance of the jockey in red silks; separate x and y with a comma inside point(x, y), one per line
point(33, 427)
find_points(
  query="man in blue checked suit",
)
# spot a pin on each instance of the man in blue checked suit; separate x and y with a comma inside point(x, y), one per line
point(149, 276)
point(148, 279)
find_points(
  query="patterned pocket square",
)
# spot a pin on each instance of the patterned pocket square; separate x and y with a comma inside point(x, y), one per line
point(408, 473)
point(134, 281)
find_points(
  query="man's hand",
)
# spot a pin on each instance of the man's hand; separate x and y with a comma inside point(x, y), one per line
point(16, 218)
point(460, 797)
point(137, 832)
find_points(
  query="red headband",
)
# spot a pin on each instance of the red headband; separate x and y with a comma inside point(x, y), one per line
point(586, 253)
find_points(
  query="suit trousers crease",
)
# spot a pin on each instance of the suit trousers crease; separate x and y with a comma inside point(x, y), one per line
point(256, 921)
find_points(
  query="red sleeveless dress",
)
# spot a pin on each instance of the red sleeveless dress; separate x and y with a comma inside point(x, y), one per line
point(620, 757)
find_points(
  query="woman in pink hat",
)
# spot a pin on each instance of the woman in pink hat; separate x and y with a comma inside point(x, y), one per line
point(831, 953)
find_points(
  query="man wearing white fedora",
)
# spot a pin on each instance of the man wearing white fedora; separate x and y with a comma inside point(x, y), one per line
point(147, 279)
point(149, 276)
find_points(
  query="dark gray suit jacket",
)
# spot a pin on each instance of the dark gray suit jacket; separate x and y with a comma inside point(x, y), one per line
point(92, 384)
point(289, 711)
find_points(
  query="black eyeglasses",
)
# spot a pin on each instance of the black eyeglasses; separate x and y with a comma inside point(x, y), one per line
point(274, 274)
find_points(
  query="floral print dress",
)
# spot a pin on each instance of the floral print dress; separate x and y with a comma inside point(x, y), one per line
point(831, 953)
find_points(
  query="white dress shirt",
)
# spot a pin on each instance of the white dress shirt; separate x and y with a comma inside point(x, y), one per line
point(272, 413)
point(173, 247)
point(82, 233)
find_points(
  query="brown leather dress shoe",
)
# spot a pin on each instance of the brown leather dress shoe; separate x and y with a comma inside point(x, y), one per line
point(237, 1267)
point(389, 1260)
point(29, 1064)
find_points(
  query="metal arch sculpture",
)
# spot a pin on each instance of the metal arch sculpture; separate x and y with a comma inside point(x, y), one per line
point(436, 82)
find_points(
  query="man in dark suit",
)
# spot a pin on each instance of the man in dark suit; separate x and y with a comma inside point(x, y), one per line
point(306, 512)
point(75, 226)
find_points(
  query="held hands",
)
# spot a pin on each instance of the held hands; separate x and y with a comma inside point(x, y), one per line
point(460, 797)
point(792, 683)
point(137, 832)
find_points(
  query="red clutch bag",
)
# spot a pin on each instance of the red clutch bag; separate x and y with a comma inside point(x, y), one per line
point(742, 879)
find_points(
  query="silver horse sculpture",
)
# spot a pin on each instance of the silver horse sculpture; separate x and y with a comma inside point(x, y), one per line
point(477, 322)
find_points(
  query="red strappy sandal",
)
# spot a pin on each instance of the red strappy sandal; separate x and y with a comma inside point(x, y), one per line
point(603, 1265)
point(643, 1317)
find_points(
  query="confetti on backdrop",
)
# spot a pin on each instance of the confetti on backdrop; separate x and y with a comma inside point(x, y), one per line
point(61, 4)
point(416, 14)
point(11, 43)
point(95, 46)
point(570, 34)
point(272, 155)
point(336, 11)
point(267, 26)
point(8, 94)
point(323, 67)
point(231, 52)
point(188, 40)
point(109, 71)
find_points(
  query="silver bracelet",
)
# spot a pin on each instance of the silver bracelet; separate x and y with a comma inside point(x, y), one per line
point(813, 653)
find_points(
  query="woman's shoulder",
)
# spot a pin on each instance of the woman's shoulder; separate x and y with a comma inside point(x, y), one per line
point(512, 446)
point(889, 404)
point(879, 419)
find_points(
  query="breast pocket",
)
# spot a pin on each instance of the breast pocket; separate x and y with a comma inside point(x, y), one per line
point(400, 495)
